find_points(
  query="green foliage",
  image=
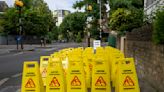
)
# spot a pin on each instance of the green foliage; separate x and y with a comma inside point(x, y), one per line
point(94, 30)
point(125, 20)
point(36, 17)
point(158, 32)
point(73, 23)
point(94, 13)
point(55, 32)
point(137, 3)
point(10, 21)
point(126, 15)
point(52, 35)
point(79, 38)
point(115, 4)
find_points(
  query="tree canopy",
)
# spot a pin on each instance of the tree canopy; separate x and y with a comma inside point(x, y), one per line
point(36, 17)
point(74, 23)
point(126, 15)
point(94, 13)
point(115, 4)
point(125, 20)
point(158, 25)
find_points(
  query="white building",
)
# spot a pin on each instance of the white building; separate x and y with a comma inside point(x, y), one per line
point(59, 16)
point(150, 6)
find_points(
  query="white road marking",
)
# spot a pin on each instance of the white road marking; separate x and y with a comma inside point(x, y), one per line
point(18, 90)
point(17, 53)
point(3, 81)
point(6, 79)
point(12, 54)
point(10, 89)
point(16, 75)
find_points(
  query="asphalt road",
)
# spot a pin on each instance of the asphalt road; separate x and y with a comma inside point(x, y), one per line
point(11, 65)
point(11, 68)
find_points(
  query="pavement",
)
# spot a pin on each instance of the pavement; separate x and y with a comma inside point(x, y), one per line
point(8, 49)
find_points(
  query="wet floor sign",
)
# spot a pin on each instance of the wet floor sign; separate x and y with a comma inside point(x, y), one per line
point(75, 76)
point(100, 51)
point(43, 67)
point(88, 70)
point(127, 80)
point(114, 63)
point(100, 76)
point(30, 83)
point(31, 78)
point(55, 77)
point(87, 60)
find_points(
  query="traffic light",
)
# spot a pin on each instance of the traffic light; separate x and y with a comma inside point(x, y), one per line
point(19, 3)
point(89, 7)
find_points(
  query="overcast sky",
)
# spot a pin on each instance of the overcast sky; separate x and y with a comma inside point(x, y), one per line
point(53, 4)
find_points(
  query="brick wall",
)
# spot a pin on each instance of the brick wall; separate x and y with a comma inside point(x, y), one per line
point(148, 56)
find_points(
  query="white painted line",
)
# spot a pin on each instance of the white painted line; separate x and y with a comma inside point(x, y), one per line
point(49, 49)
point(3, 81)
point(18, 90)
point(12, 54)
point(17, 53)
point(16, 75)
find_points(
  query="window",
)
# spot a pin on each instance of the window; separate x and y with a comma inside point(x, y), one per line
point(60, 13)
point(149, 2)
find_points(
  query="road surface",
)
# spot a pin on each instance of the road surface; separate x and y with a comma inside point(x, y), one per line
point(11, 65)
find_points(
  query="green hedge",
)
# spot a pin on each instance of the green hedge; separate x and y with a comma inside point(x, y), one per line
point(158, 32)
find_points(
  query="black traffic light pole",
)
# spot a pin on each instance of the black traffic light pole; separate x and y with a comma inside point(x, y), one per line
point(89, 9)
point(20, 27)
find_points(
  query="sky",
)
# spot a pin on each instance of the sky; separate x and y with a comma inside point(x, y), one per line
point(53, 4)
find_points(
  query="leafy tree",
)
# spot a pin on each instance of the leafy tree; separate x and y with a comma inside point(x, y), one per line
point(158, 32)
point(10, 21)
point(125, 20)
point(1, 22)
point(94, 13)
point(115, 4)
point(36, 17)
point(126, 15)
point(78, 37)
point(73, 23)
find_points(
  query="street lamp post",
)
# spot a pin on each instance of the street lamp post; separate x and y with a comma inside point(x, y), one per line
point(100, 19)
point(89, 8)
point(20, 4)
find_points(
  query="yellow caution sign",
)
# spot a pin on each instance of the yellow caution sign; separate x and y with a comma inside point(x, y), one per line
point(76, 81)
point(108, 51)
point(100, 51)
point(114, 63)
point(43, 67)
point(87, 51)
point(127, 80)
point(100, 76)
point(55, 77)
point(31, 78)
point(54, 83)
point(90, 57)
point(75, 76)
point(30, 83)
point(88, 65)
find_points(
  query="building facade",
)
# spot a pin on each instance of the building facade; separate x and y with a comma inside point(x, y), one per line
point(3, 6)
point(150, 6)
point(59, 16)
